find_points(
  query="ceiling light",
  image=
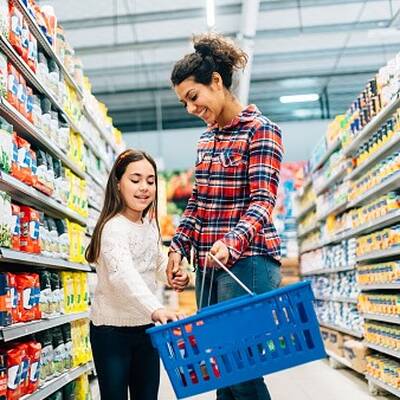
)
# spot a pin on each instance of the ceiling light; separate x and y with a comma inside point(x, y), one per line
point(299, 98)
point(210, 14)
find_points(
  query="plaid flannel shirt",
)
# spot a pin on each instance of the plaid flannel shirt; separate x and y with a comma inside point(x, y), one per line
point(236, 181)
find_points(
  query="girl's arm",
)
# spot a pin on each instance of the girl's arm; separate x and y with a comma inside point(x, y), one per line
point(122, 273)
point(264, 165)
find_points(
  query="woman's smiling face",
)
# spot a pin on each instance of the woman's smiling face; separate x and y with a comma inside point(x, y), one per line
point(203, 101)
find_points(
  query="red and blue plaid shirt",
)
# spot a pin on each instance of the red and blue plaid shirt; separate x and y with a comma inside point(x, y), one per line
point(236, 181)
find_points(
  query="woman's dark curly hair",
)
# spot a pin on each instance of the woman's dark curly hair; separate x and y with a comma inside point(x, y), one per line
point(213, 53)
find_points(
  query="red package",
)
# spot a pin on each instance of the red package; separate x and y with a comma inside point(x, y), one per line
point(3, 376)
point(34, 352)
point(14, 298)
point(15, 36)
point(15, 227)
point(25, 40)
point(27, 286)
point(12, 86)
point(15, 172)
point(30, 226)
point(32, 52)
point(14, 360)
point(29, 104)
point(5, 301)
point(25, 367)
point(24, 161)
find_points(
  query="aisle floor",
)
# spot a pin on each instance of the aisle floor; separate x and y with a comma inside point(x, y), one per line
point(314, 381)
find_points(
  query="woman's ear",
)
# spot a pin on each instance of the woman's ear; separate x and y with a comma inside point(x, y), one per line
point(217, 81)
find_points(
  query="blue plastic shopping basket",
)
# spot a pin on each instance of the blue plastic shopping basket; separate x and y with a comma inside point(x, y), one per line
point(240, 339)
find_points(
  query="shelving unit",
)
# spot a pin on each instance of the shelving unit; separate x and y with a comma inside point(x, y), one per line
point(379, 255)
point(384, 350)
point(306, 210)
point(383, 385)
point(23, 329)
point(381, 286)
point(332, 180)
point(337, 299)
point(383, 318)
point(343, 330)
point(57, 383)
point(335, 146)
point(325, 271)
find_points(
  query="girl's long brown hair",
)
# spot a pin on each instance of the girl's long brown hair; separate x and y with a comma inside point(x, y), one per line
point(113, 202)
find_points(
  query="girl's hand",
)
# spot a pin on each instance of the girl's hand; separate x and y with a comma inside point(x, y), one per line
point(173, 266)
point(163, 315)
point(220, 252)
point(180, 281)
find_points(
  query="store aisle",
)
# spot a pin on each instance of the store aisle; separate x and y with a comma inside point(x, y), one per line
point(314, 381)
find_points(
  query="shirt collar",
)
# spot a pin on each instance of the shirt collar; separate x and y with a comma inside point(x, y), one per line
point(246, 115)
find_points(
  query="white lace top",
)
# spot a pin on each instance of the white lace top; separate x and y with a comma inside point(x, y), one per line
point(130, 260)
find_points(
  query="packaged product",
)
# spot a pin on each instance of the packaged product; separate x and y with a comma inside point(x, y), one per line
point(32, 52)
point(46, 116)
point(56, 396)
point(55, 244)
point(5, 220)
point(5, 301)
point(3, 376)
point(14, 297)
point(50, 171)
point(56, 305)
point(25, 366)
point(15, 35)
point(82, 388)
point(4, 23)
point(59, 350)
point(29, 104)
point(25, 40)
point(63, 238)
point(34, 350)
point(23, 168)
point(6, 146)
point(67, 338)
point(37, 112)
point(28, 287)
point(41, 183)
point(12, 86)
point(14, 371)
point(45, 293)
point(3, 73)
point(68, 391)
point(68, 287)
point(21, 95)
point(15, 227)
point(47, 355)
point(30, 226)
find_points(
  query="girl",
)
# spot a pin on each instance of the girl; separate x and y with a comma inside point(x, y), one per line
point(237, 176)
point(126, 248)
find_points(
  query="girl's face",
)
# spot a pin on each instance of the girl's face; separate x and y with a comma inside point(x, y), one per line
point(138, 186)
point(203, 101)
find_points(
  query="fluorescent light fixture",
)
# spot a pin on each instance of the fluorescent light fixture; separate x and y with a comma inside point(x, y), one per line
point(299, 98)
point(210, 13)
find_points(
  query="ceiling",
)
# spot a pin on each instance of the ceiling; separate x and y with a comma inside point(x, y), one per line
point(330, 47)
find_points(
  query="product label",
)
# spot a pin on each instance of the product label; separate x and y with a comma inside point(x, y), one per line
point(34, 375)
point(13, 377)
point(34, 228)
point(27, 299)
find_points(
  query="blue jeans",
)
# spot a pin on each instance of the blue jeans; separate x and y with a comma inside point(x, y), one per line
point(260, 274)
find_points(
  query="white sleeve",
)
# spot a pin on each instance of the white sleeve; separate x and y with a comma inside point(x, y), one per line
point(162, 261)
point(123, 275)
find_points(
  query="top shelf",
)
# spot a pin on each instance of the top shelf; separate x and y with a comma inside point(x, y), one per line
point(372, 126)
point(36, 31)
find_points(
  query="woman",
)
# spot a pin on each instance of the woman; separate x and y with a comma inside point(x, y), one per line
point(237, 173)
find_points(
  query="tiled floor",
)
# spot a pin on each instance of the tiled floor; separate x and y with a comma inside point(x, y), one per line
point(314, 381)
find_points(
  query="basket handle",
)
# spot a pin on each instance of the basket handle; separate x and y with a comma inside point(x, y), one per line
point(232, 275)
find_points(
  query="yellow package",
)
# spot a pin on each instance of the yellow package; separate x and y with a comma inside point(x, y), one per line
point(82, 388)
point(68, 286)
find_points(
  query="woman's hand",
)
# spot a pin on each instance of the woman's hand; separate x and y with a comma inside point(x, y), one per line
point(173, 266)
point(163, 315)
point(220, 252)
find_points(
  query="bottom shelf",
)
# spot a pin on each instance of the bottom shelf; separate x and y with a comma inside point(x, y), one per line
point(57, 383)
point(341, 360)
point(383, 385)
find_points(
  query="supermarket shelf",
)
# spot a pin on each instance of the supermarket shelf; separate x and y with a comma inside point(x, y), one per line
point(390, 146)
point(56, 384)
point(28, 74)
point(335, 210)
point(383, 349)
point(306, 210)
point(314, 227)
point(335, 146)
point(310, 247)
point(377, 255)
point(337, 299)
point(343, 330)
point(384, 318)
point(385, 186)
point(37, 32)
point(20, 257)
point(333, 179)
point(325, 271)
point(28, 195)
point(97, 179)
point(302, 189)
point(372, 126)
point(383, 385)
point(94, 206)
point(381, 286)
point(33, 135)
point(20, 330)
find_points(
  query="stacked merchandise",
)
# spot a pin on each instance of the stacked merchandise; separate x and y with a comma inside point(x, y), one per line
point(285, 220)
point(79, 389)
point(355, 178)
point(57, 144)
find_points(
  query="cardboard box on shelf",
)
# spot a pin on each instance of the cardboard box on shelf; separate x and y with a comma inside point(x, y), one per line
point(355, 352)
point(335, 342)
